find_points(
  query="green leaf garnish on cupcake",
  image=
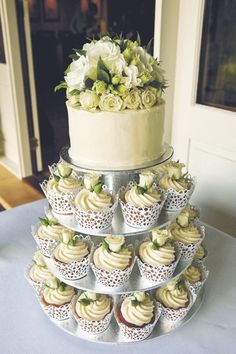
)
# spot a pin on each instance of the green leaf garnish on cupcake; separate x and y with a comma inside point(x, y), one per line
point(138, 298)
point(67, 237)
point(48, 222)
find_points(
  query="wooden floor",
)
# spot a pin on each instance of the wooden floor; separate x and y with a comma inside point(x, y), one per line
point(14, 192)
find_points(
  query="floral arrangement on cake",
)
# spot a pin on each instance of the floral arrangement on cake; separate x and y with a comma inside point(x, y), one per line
point(113, 74)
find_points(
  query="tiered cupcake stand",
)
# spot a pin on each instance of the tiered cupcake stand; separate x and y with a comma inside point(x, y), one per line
point(115, 180)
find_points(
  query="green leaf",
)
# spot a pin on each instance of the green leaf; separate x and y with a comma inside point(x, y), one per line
point(140, 190)
point(44, 221)
point(138, 39)
point(149, 46)
point(103, 72)
point(88, 82)
point(155, 84)
point(135, 302)
point(71, 243)
point(62, 85)
point(105, 246)
point(155, 245)
point(62, 286)
point(97, 188)
point(74, 92)
point(52, 222)
point(85, 301)
point(56, 177)
point(39, 265)
point(80, 51)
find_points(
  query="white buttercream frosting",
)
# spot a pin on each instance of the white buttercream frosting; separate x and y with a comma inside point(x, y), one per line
point(58, 296)
point(93, 309)
point(174, 299)
point(67, 185)
point(39, 274)
point(50, 232)
point(138, 313)
point(106, 259)
point(87, 200)
point(145, 200)
point(200, 253)
point(186, 235)
point(167, 182)
point(164, 255)
point(192, 274)
point(67, 253)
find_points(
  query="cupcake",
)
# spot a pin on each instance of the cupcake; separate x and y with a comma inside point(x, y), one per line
point(200, 255)
point(113, 261)
point(170, 168)
point(158, 257)
point(94, 206)
point(38, 273)
point(71, 256)
point(55, 299)
point(136, 316)
point(192, 212)
point(174, 299)
point(47, 234)
point(92, 311)
point(188, 235)
point(194, 277)
point(61, 189)
point(141, 203)
point(179, 187)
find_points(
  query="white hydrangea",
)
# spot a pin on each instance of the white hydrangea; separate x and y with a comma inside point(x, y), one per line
point(78, 70)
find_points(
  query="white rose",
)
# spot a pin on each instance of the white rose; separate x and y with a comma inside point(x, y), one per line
point(133, 100)
point(172, 284)
point(91, 180)
point(160, 236)
point(67, 235)
point(74, 100)
point(140, 296)
point(89, 100)
point(115, 242)
point(149, 97)
point(64, 170)
point(110, 102)
point(174, 169)
point(78, 70)
point(183, 218)
point(39, 260)
point(131, 79)
point(52, 283)
point(109, 53)
point(145, 59)
point(146, 179)
point(90, 295)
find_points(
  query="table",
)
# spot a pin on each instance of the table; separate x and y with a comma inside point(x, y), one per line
point(25, 329)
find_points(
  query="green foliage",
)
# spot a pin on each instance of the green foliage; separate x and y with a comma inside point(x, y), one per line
point(85, 301)
point(105, 246)
point(103, 72)
point(140, 190)
point(56, 177)
point(135, 302)
point(62, 85)
point(88, 83)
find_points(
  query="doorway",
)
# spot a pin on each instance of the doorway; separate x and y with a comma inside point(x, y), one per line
point(58, 26)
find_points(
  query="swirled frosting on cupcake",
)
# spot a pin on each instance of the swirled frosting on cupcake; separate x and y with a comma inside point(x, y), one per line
point(70, 249)
point(143, 195)
point(39, 271)
point(200, 253)
point(186, 235)
point(93, 201)
point(93, 307)
point(159, 251)
point(137, 309)
point(106, 258)
point(67, 185)
point(167, 182)
point(174, 297)
point(57, 293)
point(49, 232)
point(173, 169)
point(192, 274)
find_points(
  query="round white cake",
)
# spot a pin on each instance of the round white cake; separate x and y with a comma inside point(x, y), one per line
point(123, 140)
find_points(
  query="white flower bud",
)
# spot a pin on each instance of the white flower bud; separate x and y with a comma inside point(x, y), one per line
point(38, 259)
point(67, 235)
point(115, 242)
point(90, 295)
point(91, 180)
point(89, 100)
point(172, 284)
point(140, 296)
point(64, 170)
point(52, 283)
point(146, 179)
point(160, 236)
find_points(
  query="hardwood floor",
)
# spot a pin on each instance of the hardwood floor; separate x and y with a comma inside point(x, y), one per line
point(14, 192)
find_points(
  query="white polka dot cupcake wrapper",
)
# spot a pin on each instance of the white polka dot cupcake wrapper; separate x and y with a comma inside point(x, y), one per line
point(59, 313)
point(196, 287)
point(175, 315)
point(46, 246)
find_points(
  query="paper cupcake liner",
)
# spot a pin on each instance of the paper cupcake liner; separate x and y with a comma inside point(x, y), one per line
point(115, 277)
point(175, 315)
point(140, 217)
point(59, 313)
point(46, 246)
point(35, 284)
point(60, 202)
point(91, 327)
point(157, 274)
point(187, 251)
point(138, 333)
point(196, 287)
point(92, 220)
point(178, 200)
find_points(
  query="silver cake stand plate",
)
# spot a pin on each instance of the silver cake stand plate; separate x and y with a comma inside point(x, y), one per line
point(113, 335)
point(168, 152)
